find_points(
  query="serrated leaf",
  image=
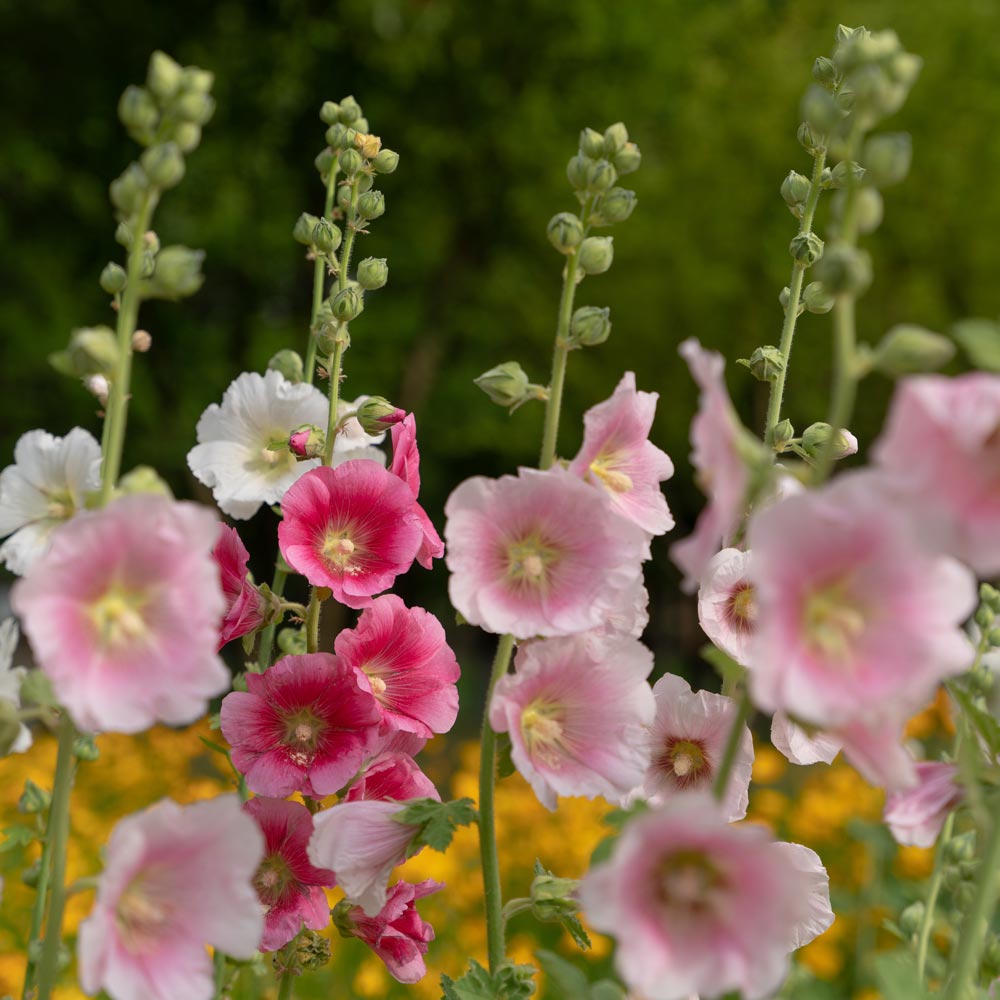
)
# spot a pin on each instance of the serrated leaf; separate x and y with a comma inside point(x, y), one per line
point(984, 723)
point(17, 836)
point(573, 927)
point(515, 982)
point(511, 982)
point(980, 339)
point(437, 821)
point(569, 980)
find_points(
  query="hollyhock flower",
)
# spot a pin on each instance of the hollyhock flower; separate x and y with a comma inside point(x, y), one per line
point(398, 934)
point(716, 436)
point(46, 485)
point(727, 608)
point(629, 616)
point(576, 710)
point(915, 817)
point(799, 746)
point(123, 614)
point(352, 529)
point(941, 451)
point(687, 741)
point(406, 465)
point(538, 554)
point(304, 725)
point(362, 842)
point(618, 457)
point(395, 776)
point(289, 888)
point(245, 608)
point(10, 681)
point(873, 745)
point(176, 878)
point(411, 668)
point(242, 452)
point(698, 906)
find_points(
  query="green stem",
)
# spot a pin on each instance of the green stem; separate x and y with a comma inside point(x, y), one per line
point(732, 745)
point(794, 297)
point(845, 381)
point(335, 366)
point(312, 624)
point(487, 819)
point(266, 646)
point(285, 985)
point(345, 256)
point(38, 910)
point(928, 921)
point(515, 906)
point(559, 355)
point(48, 971)
point(319, 274)
point(219, 967)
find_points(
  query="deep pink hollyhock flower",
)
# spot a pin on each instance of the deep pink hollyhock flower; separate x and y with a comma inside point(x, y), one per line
point(395, 741)
point(915, 817)
point(727, 608)
point(176, 878)
point(799, 746)
point(576, 710)
point(289, 887)
point(687, 741)
point(618, 457)
point(941, 451)
point(541, 553)
point(353, 529)
point(362, 842)
point(305, 725)
point(406, 465)
point(398, 934)
point(395, 776)
point(716, 435)
point(123, 614)
point(244, 606)
point(411, 668)
point(702, 907)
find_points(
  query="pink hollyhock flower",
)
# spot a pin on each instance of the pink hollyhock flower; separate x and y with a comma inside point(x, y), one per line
point(411, 668)
point(406, 465)
point(716, 436)
point(698, 906)
point(618, 457)
point(123, 614)
point(245, 608)
point(727, 608)
point(395, 776)
point(176, 878)
point(289, 888)
point(915, 817)
point(941, 450)
point(576, 710)
point(541, 553)
point(687, 741)
point(799, 746)
point(304, 725)
point(398, 934)
point(353, 529)
point(362, 842)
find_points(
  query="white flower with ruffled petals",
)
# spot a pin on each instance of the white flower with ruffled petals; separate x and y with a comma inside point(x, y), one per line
point(10, 680)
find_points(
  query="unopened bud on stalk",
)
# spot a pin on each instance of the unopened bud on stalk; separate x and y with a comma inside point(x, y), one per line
point(845, 173)
point(312, 950)
point(820, 110)
point(615, 138)
point(590, 326)
point(386, 161)
point(552, 897)
point(373, 273)
point(98, 386)
point(887, 157)
point(815, 437)
point(911, 919)
point(187, 135)
point(627, 159)
point(113, 278)
point(364, 182)
point(336, 136)
point(808, 139)
point(376, 414)
point(307, 441)
point(565, 231)
point(596, 254)
point(600, 176)
point(807, 248)
point(908, 349)
point(844, 269)
point(129, 188)
point(195, 107)
point(576, 171)
point(347, 304)
point(371, 205)
point(304, 226)
point(85, 748)
point(163, 77)
point(617, 205)
point(329, 113)
point(783, 433)
point(137, 111)
point(350, 162)
point(506, 384)
point(326, 237)
point(92, 350)
point(990, 596)
point(824, 72)
point(288, 363)
point(795, 189)
point(765, 364)
point(143, 479)
point(141, 341)
point(177, 274)
point(350, 111)
point(164, 165)
point(592, 143)
point(816, 298)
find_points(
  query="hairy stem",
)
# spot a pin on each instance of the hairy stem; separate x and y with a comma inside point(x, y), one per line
point(732, 745)
point(312, 623)
point(267, 636)
point(932, 894)
point(319, 275)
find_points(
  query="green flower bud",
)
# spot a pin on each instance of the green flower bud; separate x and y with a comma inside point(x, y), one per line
point(965, 894)
point(795, 189)
point(373, 272)
point(552, 897)
point(361, 124)
point(816, 298)
point(141, 480)
point(984, 617)
point(908, 349)
point(806, 247)
point(627, 159)
point(371, 205)
point(596, 254)
point(824, 72)
point(887, 157)
point(91, 351)
point(305, 441)
point(820, 110)
point(592, 143)
point(336, 136)
point(911, 919)
point(329, 113)
point(324, 162)
point(85, 748)
point(617, 205)
point(867, 208)
point(312, 950)
point(344, 198)
point(137, 111)
point(10, 726)
point(163, 76)
point(600, 176)
point(30, 875)
point(846, 173)
point(304, 226)
point(506, 384)
point(36, 689)
point(376, 414)
point(341, 915)
point(904, 68)
point(590, 326)
point(177, 274)
point(129, 188)
point(288, 363)
point(576, 171)
point(808, 139)
point(187, 135)
point(164, 165)
point(292, 642)
point(147, 264)
point(123, 235)
point(347, 304)
point(113, 278)
point(765, 364)
point(783, 433)
point(784, 297)
point(326, 237)
point(364, 182)
point(194, 107)
point(386, 161)
point(350, 111)
point(990, 596)
point(816, 436)
point(615, 137)
point(195, 80)
point(565, 231)
point(350, 161)
point(844, 269)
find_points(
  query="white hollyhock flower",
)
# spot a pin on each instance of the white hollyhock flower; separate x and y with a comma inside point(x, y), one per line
point(45, 486)
point(10, 679)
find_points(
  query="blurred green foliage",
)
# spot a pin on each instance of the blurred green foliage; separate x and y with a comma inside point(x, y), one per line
point(484, 102)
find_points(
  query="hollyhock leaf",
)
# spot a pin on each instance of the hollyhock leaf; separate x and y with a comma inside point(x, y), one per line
point(607, 990)
point(984, 723)
point(565, 976)
point(897, 977)
point(729, 671)
point(17, 836)
point(980, 339)
point(437, 821)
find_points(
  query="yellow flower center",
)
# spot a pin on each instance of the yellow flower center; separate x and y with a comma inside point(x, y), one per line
point(741, 608)
point(614, 479)
point(684, 761)
point(338, 549)
point(140, 916)
point(60, 506)
point(834, 621)
point(528, 561)
point(689, 881)
point(117, 618)
point(378, 685)
point(542, 731)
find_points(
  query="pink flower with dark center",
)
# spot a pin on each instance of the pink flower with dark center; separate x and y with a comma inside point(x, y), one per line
point(687, 741)
point(289, 888)
point(398, 934)
point(701, 907)
point(305, 725)
point(244, 605)
point(727, 607)
point(176, 878)
point(406, 465)
point(577, 710)
point(915, 817)
point(800, 746)
point(353, 529)
point(395, 776)
point(123, 614)
point(541, 553)
point(411, 668)
point(618, 457)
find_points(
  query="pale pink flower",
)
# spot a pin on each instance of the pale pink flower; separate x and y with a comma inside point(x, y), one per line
point(353, 529)
point(618, 457)
point(395, 776)
point(123, 614)
point(406, 465)
point(727, 608)
point(801, 747)
point(576, 710)
point(362, 842)
point(687, 741)
point(289, 888)
point(304, 725)
point(716, 435)
point(915, 817)
point(941, 451)
point(176, 878)
point(411, 668)
point(245, 608)
point(541, 553)
point(398, 934)
point(873, 745)
point(629, 616)
point(699, 906)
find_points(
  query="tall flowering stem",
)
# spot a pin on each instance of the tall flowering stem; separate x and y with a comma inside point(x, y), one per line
point(924, 936)
point(319, 282)
point(732, 747)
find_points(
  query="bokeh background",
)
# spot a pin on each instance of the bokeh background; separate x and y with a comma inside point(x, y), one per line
point(484, 102)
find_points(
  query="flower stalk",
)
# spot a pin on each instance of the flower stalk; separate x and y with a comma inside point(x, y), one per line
point(319, 280)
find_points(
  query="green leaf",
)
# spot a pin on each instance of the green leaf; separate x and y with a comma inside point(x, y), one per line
point(984, 723)
point(980, 338)
point(896, 975)
point(17, 836)
point(607, 989)
point(511, 982)
point(568, 980)
point(437, 821)
point(215, 747)
point(505, 764)
point(727, 668)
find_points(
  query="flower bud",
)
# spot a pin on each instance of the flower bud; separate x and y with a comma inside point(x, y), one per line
point(911, 919)
point(908, 350)
point(164, 165)
point(984, 617)
point(552, 897)
point(347, 304)
point(590, 326)
point(887, 157)
point(371, 205)
point(137, 110)
point(304, 226)
point(618, 204)
point(627, 159)
point(123, 235)
point(336, 136)
point(506, 384)
point(326, 236)
point(177, 274)
point(350, 162)
point(128, 189)
point(596, 254)
point(329, 113)
point(367, 145)
point(85, 748)
point(846, 173)
point(824, 72)
point(820, 109)
point(795, 189)
point(364, 182)
point(815, 437)
point(373, 272)
point(592, 143)
point(91, 351)
point(147, 263)
point(576, 171)
point(806, 248)
point(187, 135)
point(386, 161)
point(904, 68)
point(341, 916)
point(600, 176)
point(844, 269)
point(344, 198)
point(990, 596)
point(307, 441)
point(195, 80)
point(361, 124)
point(194, 107)
point(113, 278)
point(292, 641)
point(808, 139)
point(783, 433)
point(816, 298)
point(98, 386)
point(376, 414)
point(31, 874)
point(312, 950)
point(867, 208)
point(141, 341)
point(143, 479)
point(615, 137)
point(565, 231)
point(163, 77)
point(288, 363)
point(765, 364)
point(10, 726)
point(350, 111)
point(784, 297)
